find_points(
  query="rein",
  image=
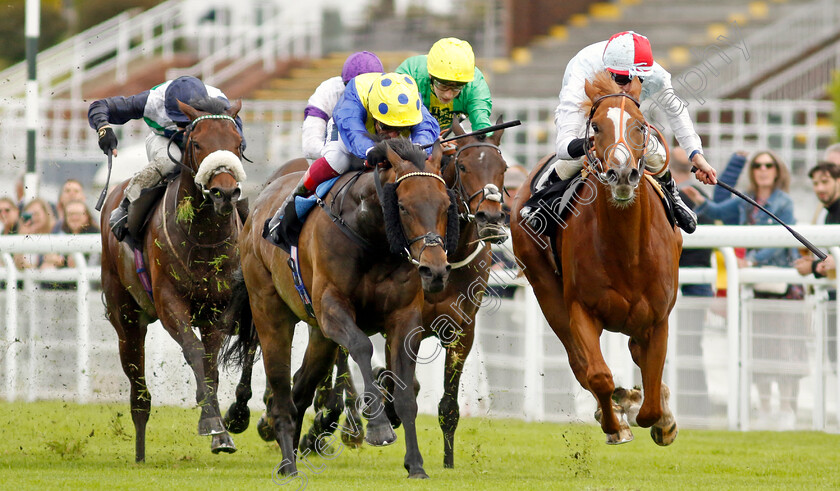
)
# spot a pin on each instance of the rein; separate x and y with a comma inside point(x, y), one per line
point(186, 132)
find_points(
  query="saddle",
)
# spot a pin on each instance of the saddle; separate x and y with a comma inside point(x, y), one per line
point(295, 215)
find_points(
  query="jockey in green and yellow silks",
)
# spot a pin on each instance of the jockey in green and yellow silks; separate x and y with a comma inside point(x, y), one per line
point(450, 83)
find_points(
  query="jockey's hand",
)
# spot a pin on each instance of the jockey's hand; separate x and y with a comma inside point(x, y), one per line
point(449, 148)
point(108, 140)
point(705, 172)
point(375, 156)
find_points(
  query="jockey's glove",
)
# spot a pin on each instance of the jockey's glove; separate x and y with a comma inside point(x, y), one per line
point(107, 139)
point(576, 148)
point(375, 156)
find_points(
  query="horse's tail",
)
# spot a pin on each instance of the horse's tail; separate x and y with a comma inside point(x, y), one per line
point(238, 321)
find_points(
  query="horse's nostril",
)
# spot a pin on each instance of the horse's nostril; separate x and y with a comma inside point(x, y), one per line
point(448, 268)
point(481, 216)
point(425, 271)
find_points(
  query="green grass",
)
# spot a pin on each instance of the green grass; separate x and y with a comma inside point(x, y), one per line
point(49, 445)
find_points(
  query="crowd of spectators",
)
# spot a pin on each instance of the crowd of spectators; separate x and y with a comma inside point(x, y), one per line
point(70, 214)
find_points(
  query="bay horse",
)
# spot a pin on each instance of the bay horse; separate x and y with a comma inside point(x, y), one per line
point(189, 250)
point(476, 175)
point(618, 266)
point(367, 257)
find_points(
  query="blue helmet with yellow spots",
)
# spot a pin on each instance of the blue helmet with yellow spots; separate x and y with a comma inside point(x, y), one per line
point(395, 101)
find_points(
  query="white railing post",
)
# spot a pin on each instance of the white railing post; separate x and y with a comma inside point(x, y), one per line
point(533, 382)
point(13, 344)
point(733, 292)
point(835, 251)
point(83, 323)
point(819, 317)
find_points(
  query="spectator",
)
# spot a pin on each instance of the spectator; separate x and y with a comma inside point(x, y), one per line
point(78, 220)
point(832, 154)
point(776, 336)
point(9, 216)
point(72, 190)
point(825, 177)
point(37, 218)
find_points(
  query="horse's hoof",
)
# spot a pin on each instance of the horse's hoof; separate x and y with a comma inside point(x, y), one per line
point(211, 426)
point(624, 435)
point(307, 443)
point(222, 443)
point(380, 436)
point(353, 441)
point(664, 436)
point(265, 430)
point(418, 475)
point(237, 418)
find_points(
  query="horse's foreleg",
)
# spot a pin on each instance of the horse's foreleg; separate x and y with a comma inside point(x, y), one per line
point(586, 333)
point(344, 383)
point(238, 415)
point(402, 350)
point(211, 339)
point(338, 323)
point(132, 336)
point(448, 409)
point(655, 411)
point(314, 370)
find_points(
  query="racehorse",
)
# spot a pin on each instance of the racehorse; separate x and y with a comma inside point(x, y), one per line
point(618, 263)
point(357, 287)
point(189, 250)
point(476, 174)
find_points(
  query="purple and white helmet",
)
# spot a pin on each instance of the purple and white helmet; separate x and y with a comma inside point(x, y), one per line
point(359, 63)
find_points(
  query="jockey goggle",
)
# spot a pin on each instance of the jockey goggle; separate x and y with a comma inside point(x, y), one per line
point(384, 128)
point(624, 79)
point(447, 86)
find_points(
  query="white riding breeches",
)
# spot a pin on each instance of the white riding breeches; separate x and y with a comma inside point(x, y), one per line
point(654, 161)
point(159, 166)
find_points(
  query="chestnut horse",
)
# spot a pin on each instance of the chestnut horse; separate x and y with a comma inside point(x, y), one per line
point(189, 249)
point(476, 174)
point(356, 285)
point(619, 263)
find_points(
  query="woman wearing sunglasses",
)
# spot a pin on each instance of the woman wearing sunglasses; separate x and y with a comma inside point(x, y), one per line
point(626, 55)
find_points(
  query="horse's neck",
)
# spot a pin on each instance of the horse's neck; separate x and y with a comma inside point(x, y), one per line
point(467, 240)
point(205, 222)
point(623, 228)
point(362, 210)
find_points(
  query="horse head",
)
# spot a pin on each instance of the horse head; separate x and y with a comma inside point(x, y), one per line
point(419, 211)
point(619, 134)
point(213, 151)
point(476, 173)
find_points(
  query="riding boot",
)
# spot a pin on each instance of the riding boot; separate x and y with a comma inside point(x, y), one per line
point(686, 219)
point(119, 220)
point(271, 229)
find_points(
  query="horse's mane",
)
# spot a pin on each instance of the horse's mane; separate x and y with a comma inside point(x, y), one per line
point(604, 84)
point(405, 149)
point(212, 105)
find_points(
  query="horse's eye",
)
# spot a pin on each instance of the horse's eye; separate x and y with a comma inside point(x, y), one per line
point(402, 209)
point(595, 128)
point(462, 168)
point(196, 146)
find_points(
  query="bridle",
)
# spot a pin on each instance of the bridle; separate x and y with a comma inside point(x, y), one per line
point(598, 166)
point(489, 192)
point(430, 239)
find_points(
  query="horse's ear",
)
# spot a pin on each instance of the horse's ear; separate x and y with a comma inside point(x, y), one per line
point(433, 162)
point(394, 158)
point(635, 88)
point(188, 110)
point(456, 127)
point(234, 108)
point(496, 138)
point(591, 90)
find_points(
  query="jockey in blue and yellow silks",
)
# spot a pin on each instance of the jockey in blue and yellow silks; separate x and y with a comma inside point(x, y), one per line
point(372, 104)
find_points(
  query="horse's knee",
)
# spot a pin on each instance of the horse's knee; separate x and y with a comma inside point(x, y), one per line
point(448, 414)
point(601, 383)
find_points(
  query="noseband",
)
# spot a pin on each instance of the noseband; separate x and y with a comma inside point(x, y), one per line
point(489, 192)
point(598, 166)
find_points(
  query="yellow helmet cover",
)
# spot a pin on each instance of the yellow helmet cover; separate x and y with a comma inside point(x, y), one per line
point(394, 100)
point(451, 59)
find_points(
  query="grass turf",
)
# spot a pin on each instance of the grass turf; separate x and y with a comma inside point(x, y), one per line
point(61, 445)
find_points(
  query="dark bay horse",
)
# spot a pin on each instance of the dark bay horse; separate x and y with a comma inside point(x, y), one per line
point(619, 263)
point(357, 285)
point(189, 249)
point(476, 174)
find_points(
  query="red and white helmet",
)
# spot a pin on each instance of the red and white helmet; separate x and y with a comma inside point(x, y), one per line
point(628, 53)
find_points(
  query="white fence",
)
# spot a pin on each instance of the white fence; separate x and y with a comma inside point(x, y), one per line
point(56, 343)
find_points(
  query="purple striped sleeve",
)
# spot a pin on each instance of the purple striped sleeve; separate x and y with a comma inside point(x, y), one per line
point(315, 111)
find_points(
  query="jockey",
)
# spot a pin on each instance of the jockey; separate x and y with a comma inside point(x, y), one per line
point(626, 55)
point(450, 83)
point(159, 109)
point(321, 103)
point(387, 105)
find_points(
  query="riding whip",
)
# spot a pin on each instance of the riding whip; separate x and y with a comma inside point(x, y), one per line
point(482, 131)
point(107, 183)
point(820, 254)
